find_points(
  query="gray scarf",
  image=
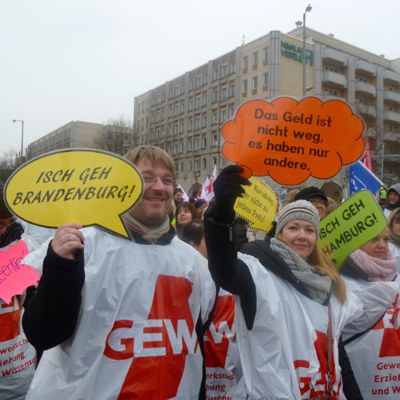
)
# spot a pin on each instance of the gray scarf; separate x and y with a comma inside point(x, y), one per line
point(318, 285)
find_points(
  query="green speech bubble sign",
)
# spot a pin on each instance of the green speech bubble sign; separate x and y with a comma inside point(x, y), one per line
point(91, 187)
point(352, 224)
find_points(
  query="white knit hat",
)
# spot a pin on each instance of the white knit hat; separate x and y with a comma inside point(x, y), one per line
point(300, 209)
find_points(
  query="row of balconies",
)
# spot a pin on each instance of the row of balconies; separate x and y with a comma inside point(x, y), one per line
point(339, 80)
point(339, 59)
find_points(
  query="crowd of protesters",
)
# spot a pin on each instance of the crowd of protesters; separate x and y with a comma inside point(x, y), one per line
point(197, 305)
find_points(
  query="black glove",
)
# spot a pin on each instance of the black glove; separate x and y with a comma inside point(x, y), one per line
point(227, 187)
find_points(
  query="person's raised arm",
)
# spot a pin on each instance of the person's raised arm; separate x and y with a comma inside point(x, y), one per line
point(222, 254)
point(51, 313)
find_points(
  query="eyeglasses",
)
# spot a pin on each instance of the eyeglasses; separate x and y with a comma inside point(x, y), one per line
point(6, 223)
point(151, 180)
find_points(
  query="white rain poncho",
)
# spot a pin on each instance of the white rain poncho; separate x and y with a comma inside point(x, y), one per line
point(223, 370)
point(282, 354)
point(375, 355)
point(17, 356)
point(135, 337)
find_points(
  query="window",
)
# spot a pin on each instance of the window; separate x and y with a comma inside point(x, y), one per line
point(265, 55)
point(190, 165)
point(223, 116)
point(204, 143)
point(215, 74)
point(203, 120)
point(214, 117)
point(224, 70)
point(244, 86)
point(332, 69)
point(215, 140)
point(198, 102)
point(215, 95)
point(204, 164)
point(255, 59)
point(255, 82)
point(197, 164)
point(245, 62)
point(331, 92)
point(232, 90)
point(265, 79)
point(224, 92)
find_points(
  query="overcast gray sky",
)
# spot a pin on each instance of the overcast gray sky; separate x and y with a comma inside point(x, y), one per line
point(67, 60)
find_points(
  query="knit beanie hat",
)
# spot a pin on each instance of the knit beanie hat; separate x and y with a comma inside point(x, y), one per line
point(300, 209)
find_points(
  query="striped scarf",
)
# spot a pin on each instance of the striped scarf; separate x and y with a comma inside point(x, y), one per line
point(151, 235)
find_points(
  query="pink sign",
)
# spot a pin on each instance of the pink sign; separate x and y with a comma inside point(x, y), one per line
point(14, 277)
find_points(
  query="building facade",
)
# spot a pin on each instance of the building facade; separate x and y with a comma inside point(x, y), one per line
point(116, 138)
point(185, 115)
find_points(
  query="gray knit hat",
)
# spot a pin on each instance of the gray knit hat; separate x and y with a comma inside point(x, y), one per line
point(300, 209)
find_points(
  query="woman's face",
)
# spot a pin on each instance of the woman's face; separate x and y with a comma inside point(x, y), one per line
point(301, 236)
point(396, 225)
point(184, 216)
point(378, 247)
point(393, 197)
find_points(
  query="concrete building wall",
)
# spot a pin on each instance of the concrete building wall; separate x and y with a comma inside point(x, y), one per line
point(186, 114)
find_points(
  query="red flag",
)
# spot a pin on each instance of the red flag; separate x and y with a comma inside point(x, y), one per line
point(367, 157)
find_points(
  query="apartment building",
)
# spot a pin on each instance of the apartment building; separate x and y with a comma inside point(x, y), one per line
point(115, 138)
point(185, 115)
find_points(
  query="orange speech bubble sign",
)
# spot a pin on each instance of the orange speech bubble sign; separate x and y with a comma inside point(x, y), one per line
point(291, 140)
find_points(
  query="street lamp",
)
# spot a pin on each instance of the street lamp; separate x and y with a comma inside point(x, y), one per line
point(22, 135)
point(308, 9)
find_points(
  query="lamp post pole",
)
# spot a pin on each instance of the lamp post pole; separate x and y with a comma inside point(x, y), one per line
point(308, 9)
point(22, 135)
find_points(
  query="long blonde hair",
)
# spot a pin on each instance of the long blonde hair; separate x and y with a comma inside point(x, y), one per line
point(320, 261)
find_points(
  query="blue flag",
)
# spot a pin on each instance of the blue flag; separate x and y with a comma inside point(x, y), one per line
point(361, 178)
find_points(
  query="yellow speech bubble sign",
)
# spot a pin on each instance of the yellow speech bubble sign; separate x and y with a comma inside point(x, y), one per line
point(91, 187)
point(258, 205)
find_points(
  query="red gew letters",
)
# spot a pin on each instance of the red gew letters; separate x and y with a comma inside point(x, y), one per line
point(158, 346)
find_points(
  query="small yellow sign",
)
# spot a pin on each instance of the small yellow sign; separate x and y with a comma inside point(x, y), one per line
point(258, 205)
point(90, 187)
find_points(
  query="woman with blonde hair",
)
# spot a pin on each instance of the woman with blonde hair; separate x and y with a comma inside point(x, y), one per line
point(291, 302)
point(374, 340)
